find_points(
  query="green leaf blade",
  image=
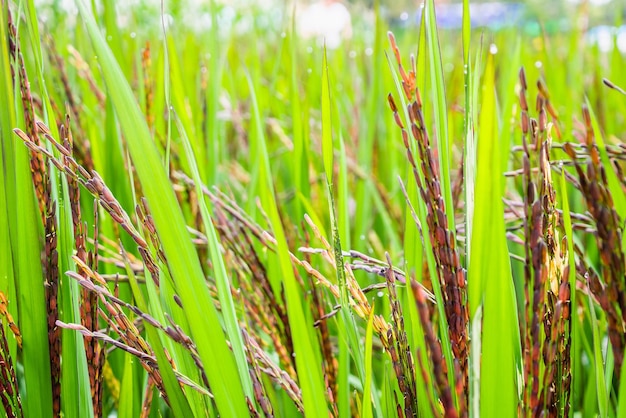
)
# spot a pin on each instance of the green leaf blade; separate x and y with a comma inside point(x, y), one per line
point(182, 257)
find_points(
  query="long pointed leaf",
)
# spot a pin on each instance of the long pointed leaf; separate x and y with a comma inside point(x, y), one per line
point(182, 257)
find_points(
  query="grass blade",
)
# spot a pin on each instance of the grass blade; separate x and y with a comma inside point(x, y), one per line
point(489, 277)
point(219, 269)
point(24, 228)
point(327, 135)
point(182, 257)
point(347, 324)
point(367, 389)
point(598, 364)
point(305, 341)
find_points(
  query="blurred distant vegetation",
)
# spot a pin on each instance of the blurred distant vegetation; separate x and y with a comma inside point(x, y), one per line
point(611, 12)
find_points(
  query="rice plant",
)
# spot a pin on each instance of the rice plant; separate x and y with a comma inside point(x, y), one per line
point(234, 220)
